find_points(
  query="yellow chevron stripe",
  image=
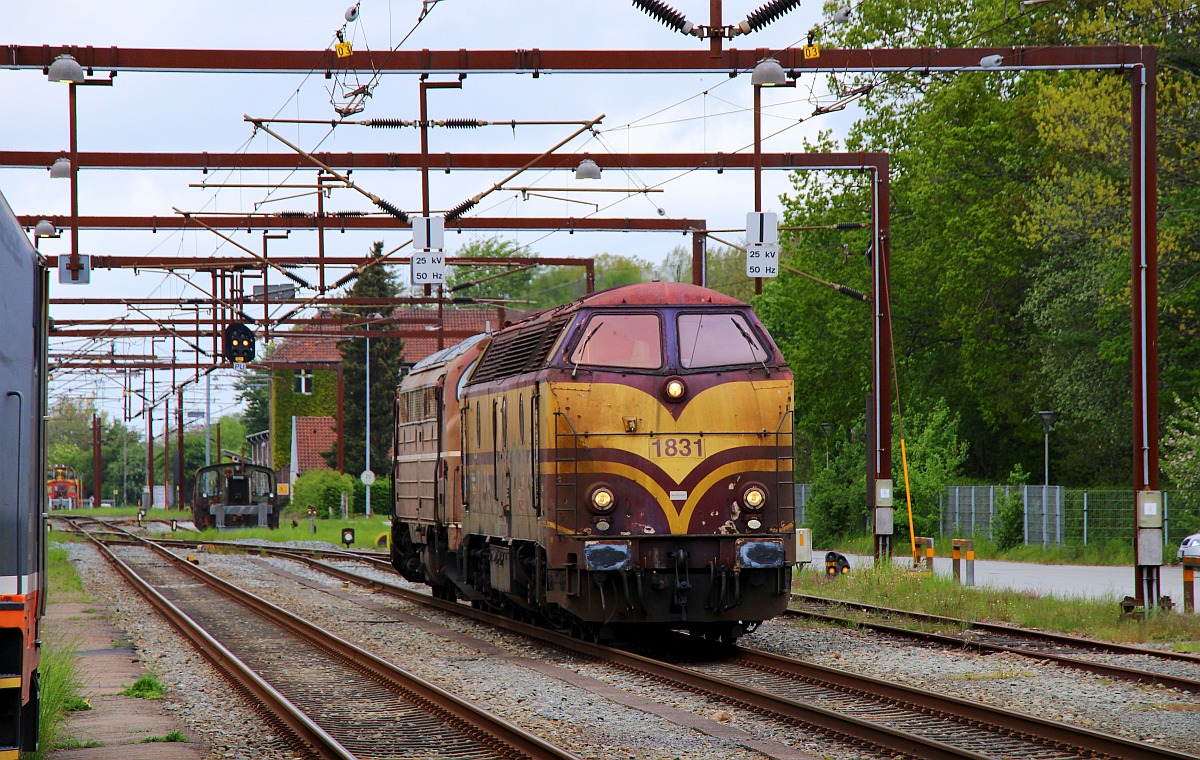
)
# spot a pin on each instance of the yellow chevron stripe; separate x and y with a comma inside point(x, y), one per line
point(678, 521)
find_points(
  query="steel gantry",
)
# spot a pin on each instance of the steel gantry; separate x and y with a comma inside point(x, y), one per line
point(1139, 62)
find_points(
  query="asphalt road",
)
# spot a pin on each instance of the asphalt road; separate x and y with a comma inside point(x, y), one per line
point(1111, 583)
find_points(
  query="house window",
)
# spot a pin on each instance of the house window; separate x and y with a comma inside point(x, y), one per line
point(304, 382)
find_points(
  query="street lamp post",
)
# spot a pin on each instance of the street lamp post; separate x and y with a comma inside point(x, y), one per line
point(1047, 419)
point(367, 469)
point(826, 429)
point(768, 73)
point(67, 70)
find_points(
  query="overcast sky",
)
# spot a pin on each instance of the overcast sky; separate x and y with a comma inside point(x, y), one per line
point(203, 112)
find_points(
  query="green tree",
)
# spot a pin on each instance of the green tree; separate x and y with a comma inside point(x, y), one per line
point(254, 390)
point(492, 281)
point(386, 357)
point(935, 456)
point(1010, 213)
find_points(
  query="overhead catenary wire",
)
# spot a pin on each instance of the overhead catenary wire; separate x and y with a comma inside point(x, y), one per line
point(471, 202)
point(844, 290)
point(344, 179)
point(456, 123)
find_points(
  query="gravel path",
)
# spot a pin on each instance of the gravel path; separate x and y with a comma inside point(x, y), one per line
point(601, 712)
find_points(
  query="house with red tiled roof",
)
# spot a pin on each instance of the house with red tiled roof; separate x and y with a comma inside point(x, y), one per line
point(307, 388)
point(311, 438)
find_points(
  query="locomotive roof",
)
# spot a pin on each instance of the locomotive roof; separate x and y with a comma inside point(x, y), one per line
point(658, 294)
point(639, 294)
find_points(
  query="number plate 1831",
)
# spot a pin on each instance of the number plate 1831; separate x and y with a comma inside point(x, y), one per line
point(676, 447)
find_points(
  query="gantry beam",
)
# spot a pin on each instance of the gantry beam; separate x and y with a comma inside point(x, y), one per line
point(331, 223)
point(445, 162)
point(536, 61)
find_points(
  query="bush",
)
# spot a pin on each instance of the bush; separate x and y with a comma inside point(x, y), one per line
point(322, 489)
point(837, 508)
point(1009, 530)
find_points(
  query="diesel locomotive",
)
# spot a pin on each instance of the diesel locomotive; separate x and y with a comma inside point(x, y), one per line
point(615, 466)
point(23, 312)
point(235, 494)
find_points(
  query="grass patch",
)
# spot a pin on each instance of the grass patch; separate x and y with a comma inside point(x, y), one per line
point(73, 743)
point(330, 531)
point(174, 736)
point(146, 687)
point(891, 586)
point(76, 703)
point(65, 585)
point(61, 683)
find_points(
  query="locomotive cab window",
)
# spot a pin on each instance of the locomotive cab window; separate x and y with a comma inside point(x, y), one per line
point(632, 341)
point(260, 483)
point(716, 340)
point(209, 486)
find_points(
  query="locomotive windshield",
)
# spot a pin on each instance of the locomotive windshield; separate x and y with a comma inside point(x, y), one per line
point(632, 341)
point(714, 340)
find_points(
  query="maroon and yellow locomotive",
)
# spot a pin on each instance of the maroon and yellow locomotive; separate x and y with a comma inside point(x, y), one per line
point(624, 460)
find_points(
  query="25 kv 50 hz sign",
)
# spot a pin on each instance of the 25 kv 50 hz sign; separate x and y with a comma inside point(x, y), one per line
point(762, 244)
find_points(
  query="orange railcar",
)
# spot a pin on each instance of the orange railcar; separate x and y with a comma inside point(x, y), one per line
point(23, 311)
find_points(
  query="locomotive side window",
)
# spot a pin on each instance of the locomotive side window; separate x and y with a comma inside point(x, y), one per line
point(208, 483)
point(260, 483)
point(631, 341)
point(715, 340)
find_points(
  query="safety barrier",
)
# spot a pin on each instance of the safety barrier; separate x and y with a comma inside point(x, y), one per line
point(1189, 583)
point(959, 548)
point(923, 554)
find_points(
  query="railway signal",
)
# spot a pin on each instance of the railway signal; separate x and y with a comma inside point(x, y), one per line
point(239, 343)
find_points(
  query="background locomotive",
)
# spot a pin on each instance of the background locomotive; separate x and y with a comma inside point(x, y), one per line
point(23, 309)
point(621, 461)
point(64, 488)
point(235, 494)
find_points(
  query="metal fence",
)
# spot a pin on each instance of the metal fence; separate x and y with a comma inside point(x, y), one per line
point(1052, 514)
point(1057, 515)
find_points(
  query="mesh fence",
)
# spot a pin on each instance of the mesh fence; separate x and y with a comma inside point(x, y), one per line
point(1057, 515)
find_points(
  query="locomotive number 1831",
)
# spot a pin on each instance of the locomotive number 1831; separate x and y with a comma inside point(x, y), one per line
point(677, 447)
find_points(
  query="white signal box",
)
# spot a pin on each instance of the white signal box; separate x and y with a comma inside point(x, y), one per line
point(428, 268)
point(762, 260)
point(429, 233)
point(762, 228)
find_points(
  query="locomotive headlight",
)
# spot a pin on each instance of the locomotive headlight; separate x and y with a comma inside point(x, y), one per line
point(754, 497)
point(674, 389)
point(603, 499)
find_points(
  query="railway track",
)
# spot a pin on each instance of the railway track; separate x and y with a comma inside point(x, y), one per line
point(862, 711)
point(883, 717)
point(332, 699)
point(1176, 670)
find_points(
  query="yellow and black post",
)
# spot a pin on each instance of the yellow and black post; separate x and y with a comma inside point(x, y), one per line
point(1189, 583)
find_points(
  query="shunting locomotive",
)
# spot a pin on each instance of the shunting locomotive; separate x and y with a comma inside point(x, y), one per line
point(235, 494)
point(614, 466)
point(23, 310)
